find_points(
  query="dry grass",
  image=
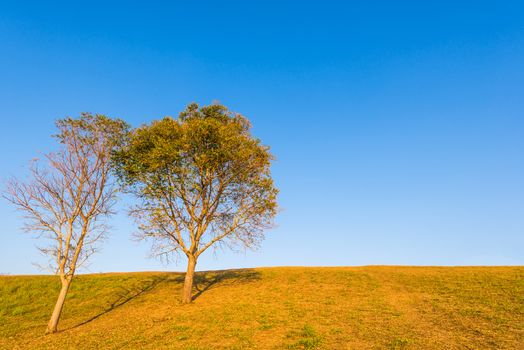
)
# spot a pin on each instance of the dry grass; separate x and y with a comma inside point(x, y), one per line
point(274, 308)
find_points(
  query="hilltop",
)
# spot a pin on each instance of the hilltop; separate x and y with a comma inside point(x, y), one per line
point(376, 307)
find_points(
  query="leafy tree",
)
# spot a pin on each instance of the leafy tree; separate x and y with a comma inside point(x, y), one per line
point(69, 197)
point(203, 180)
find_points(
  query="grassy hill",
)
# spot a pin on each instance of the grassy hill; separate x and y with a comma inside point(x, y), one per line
point(274, 308)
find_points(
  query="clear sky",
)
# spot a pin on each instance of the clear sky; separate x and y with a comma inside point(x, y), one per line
point(398, 127)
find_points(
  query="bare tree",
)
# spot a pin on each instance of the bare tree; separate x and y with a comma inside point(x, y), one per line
point(203, 181)
point(68, 198)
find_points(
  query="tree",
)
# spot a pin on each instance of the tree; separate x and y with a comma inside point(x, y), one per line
point(68, 200)
point(203, 180)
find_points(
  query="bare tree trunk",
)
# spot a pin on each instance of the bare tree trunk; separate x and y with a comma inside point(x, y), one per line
point(52, 326)
point(188, 281)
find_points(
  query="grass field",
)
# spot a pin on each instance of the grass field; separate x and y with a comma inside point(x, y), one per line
point(273, 308)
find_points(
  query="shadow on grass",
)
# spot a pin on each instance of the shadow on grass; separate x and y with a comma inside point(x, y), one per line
point(207, 280)
point(203, 281)
point(125, 296)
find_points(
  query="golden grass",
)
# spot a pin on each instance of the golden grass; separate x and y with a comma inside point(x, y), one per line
point(374, 307)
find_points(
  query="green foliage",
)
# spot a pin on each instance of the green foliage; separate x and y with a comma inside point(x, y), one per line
point(202, 178)
point(90, 130)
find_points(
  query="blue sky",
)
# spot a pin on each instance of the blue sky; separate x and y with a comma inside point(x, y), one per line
point(398, 127)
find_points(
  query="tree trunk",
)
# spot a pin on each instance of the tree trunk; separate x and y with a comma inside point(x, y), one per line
point(52, 326)
point(188, 281)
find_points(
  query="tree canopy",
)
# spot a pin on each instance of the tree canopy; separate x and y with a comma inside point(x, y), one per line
point(70, 195)
point(203, 180)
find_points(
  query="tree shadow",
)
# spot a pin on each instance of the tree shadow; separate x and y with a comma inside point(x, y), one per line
point(125, 296)
point(206, 280)
point(203, 281)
